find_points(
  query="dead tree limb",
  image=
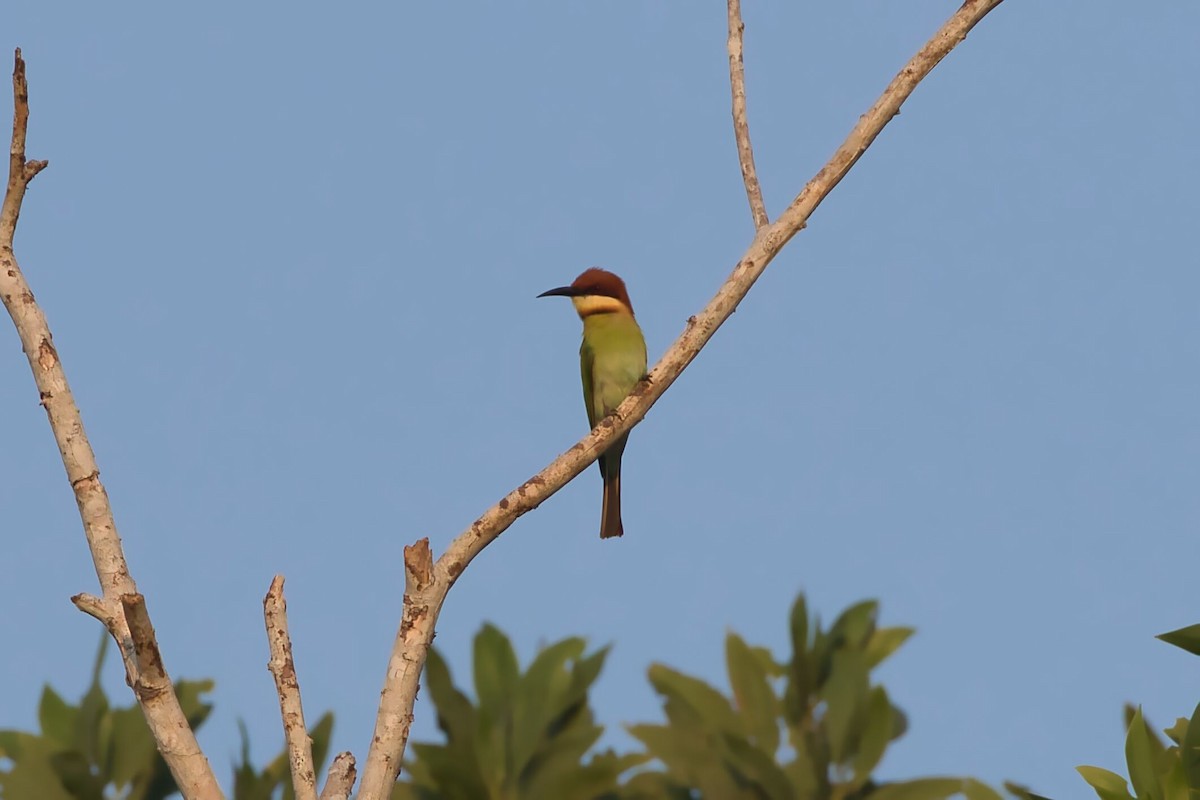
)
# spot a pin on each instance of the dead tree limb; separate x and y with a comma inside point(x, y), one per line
point(741, 126)
point(120, 607)
point(427, 582)
point(287, 686)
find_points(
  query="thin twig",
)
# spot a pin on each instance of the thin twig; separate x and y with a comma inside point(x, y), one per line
point(163, 714)
point(425, 590)
point(340, 779)
point(94, 607)
point(287, 686)
point(741, 127)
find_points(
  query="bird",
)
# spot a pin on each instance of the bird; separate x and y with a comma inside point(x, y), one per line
point(612, 359)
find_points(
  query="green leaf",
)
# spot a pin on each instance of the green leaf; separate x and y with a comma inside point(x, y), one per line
point(688, 755)
point(759, 767)
point(752, 691)
point(98, 662)
point(899, 722)
point(855, 626)
point(58, 720)
point(654, 786)
point(453, 769)
point(809, 766)
point(321, 735)
point(1175, 786)
point(543, 696)
point(884, 642)
point(32, 776)
point(276, 774)
point(691, 701)
point(801, 679)
point(1022, 792)
point(93, 726)
point(75, 775)
point(455, 712)
point(446, 774)
point(248, 784)
point(1108, 785)
point(132, 751)
point(558, 766)
point(1177, 731)
point(770, 666)
point(496, 670)
point(1140, 754)
point(845, 695)
point(585, 672)
point(850, 632)
point(876, 733)
point(1189, 750)
point(920, 789)
point(976, 790)
point(496, 676)
point(93, 712)
point(1187, 638)
point(1157, 745)
point(798, 624)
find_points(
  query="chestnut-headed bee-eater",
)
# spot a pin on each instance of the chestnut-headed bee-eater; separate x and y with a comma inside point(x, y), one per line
point(612, 359)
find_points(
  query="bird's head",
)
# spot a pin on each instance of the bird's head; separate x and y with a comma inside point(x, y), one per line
point(595, 291)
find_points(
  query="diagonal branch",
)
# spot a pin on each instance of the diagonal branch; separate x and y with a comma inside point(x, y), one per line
point(741, 127)
point(426, 584)
point(121, 607)
point(287, 686)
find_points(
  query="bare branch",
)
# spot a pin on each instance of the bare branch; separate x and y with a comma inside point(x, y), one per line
point(741, 127)
point(94, 607)
point(121, 605)
point(20, 171)
point(340, 779)
point(423, 600)
point(283, 669)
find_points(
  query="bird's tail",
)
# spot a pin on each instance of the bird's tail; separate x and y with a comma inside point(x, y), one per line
point(610, 516)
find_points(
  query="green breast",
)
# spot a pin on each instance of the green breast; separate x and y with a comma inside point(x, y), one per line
point(612, 360)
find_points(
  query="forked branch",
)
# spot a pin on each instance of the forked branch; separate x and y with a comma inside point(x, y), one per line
point(427, 582)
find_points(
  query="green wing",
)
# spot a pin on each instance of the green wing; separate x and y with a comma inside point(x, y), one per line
point(586, 361)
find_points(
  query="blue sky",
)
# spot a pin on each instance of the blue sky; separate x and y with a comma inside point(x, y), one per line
point(290, 260)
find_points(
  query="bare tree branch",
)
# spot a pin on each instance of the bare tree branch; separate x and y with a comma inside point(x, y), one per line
point(94, 607)
point(741, 127)
point(121, 609)
point(287, 686)
point(340, 779)
point(426, 588)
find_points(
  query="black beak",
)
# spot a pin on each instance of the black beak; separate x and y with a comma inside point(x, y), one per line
point(562, 291)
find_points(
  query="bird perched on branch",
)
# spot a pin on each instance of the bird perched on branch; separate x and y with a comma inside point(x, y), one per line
point(612, 359)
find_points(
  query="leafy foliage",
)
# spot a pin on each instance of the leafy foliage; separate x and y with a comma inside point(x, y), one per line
point(528, 735)
point(85, 748)
point(276, 777)
point(811, 728)
point(92, 751)
point(1158, 770)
